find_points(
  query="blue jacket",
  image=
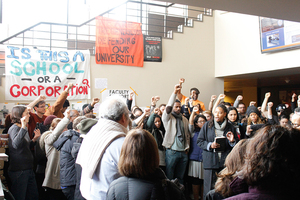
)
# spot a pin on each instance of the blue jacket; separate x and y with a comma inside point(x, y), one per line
point(195, 151)
point(64, 144)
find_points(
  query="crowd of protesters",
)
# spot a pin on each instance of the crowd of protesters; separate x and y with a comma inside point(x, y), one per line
point(177, 150)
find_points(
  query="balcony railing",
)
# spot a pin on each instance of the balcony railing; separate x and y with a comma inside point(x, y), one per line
point(157, 19)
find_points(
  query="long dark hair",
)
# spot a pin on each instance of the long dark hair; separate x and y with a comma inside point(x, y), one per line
point(161, 126)
point(211, 122)
point(233, 108)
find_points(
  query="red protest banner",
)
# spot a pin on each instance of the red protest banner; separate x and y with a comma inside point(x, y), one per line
point(119, 42)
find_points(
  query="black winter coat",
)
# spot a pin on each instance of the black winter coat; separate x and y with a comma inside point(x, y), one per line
point(210, 158)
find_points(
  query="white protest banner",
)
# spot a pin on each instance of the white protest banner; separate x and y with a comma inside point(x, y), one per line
point(33, 72)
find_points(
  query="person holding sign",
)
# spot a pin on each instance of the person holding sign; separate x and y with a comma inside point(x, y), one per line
point(216, 138)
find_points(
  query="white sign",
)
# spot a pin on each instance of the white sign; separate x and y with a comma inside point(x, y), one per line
point(33, 72)
point(122, 93)
point(100, 83)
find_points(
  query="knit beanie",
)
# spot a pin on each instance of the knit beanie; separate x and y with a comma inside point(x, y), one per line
point(252, 109)
point(85, 125)
point(49, 119)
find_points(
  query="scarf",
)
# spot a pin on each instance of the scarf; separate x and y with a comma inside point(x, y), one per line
point(219, 128)
point(235, 124)
point(95, 143)
point(179, 126)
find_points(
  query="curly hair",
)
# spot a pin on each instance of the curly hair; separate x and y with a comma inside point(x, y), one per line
point(234, 162)
point(259, 121)
point(271, 159)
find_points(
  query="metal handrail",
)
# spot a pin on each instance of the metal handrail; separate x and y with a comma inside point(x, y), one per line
point(59, 24)
point(166, 32)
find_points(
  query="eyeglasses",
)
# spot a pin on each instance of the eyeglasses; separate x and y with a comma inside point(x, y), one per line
point(201, 122)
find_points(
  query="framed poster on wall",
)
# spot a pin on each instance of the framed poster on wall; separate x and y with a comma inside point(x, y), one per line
point(152, 48)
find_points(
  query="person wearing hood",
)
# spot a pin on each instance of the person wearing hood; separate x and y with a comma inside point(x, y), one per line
point(255, 122)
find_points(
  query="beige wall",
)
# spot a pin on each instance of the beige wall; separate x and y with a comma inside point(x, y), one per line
point(237, 47)
point(231, 96)
point(189, 55)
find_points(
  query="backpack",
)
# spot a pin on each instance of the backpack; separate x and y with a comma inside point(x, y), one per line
point(173, 190)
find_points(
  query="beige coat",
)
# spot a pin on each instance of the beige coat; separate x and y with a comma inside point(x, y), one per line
point(169, 122)
point(52, 172)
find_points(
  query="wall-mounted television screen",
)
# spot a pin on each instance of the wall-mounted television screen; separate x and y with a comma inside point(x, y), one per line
point(277, 34)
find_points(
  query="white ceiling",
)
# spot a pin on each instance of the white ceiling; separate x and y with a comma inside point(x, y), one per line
point(278, 9)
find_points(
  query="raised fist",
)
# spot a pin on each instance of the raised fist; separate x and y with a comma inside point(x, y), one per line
point(240, 97)
point(213, 97)
point(267, 95)
point(42, 98)
point(222, 96)
point(195, 109)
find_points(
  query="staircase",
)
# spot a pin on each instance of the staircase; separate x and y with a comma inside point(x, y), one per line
point(157, 19)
